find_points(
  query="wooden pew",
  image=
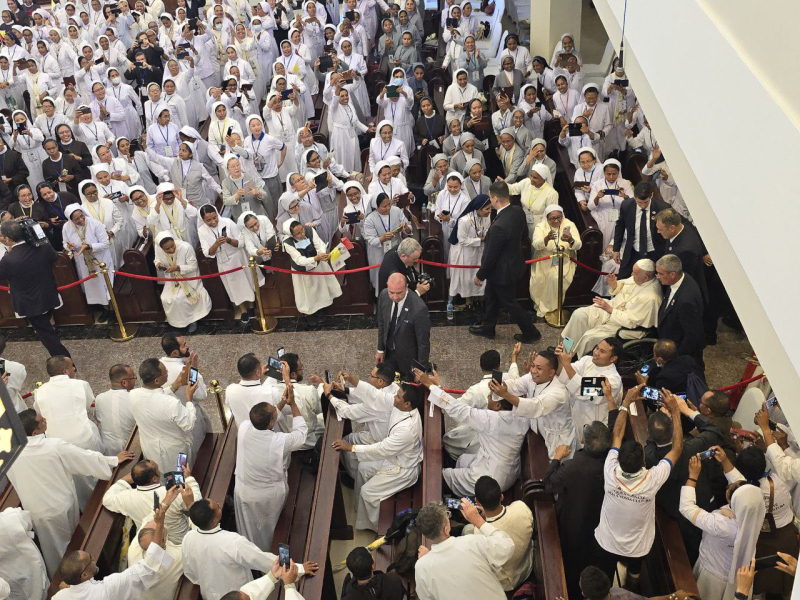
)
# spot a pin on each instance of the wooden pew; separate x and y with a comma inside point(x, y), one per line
point(139, 300)
point(74, 311)
point(8, 497)
point(433, 430)
point(667, 566)
point(99, 531)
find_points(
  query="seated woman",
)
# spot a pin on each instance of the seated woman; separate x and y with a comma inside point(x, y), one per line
point(466, 248)
point(260, 240)
point(185, 302)
point(538, 156)
point(383, 231)
point(536, 192)
point(606, 196)
point(430, 125)
point(467, 153)
point(104, 211)
point(221, 240)
point(358, 206)
point(309, 253)
point(555, 231)
point(475, 182)
point(511, 156)
point(508, 77)
point(86, 239)
point(440, 166)
point(242, 192)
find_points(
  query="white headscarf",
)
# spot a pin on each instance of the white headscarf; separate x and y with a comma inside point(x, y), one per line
point(544, 172)
point(747, 503)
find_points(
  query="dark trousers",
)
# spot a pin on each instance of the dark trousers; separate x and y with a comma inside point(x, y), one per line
point(607, 562)
point(627, 270)
point(48, 335)
point(502, 296)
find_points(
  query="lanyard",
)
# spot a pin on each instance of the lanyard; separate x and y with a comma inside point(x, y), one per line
point(385, 152)
point(30, 210)
point(430, 133)
point(384, 189)
point(614, 186)
point(96, 136)
point(49, 124)
point(163, 135)
point(386, 228)
point(221, 128)
point(253, 144)
point(185, 175)
point(478, 191)
point(591, 174)
point(564, 106)
point(394, 110)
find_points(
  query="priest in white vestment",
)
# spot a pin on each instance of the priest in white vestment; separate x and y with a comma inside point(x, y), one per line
point(392, 464)
point(21, 563)
point(262, 461)
point(65, 402)
point(306, 397)
point(169, 578)
point(262, 588)
point(165, 422)
point(17, 373)
point(635, 303)
point(185, 302)
point(252, 389)
point(112, 409)
point(544, 400)
point(43, 475)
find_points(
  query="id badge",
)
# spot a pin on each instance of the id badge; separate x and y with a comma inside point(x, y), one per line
point(475, 76)
point(168, 151)
point(554, 260)
point(62, 187)
point(529, 218)
point(613, 215)
point(387, 246)
point(245, 206)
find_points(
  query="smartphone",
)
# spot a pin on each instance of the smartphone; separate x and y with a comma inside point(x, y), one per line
point(169, 480)
point(497, 376)
point(644, 369)
point(100, 61)
point(283, 555)
point(193, 374)
point(454, 503)
point(592, 386)
point(182, 55)
point(2, 366)
point(156, 501)
point(230, 131)
point(445, 212)
point(418, 365)
point(327, 376)
point(574, 129)
point(179, 480)
point(744, 434)
point(274, 363)
point(568, 344)
point(225, 231)
point(772, 401)
point(281, 352)
point(182, 460)
point(767, 562)
point(707, 454)
point(611, 192)
point(651, 393)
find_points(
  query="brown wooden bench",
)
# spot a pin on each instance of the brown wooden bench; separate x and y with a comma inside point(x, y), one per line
point(667, 566)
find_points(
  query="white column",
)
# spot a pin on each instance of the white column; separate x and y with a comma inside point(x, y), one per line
point(549, 20)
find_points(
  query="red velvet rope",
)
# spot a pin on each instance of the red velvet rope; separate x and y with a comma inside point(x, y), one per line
point(436, 264)
point(342, 272)
point(741, 383)
point(148, 278)
point(588, 268)
point(63, 287)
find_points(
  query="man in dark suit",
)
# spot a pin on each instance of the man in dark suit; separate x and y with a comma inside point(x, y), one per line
point(683, 241)
point(502, 265)
point(668, 370)
point(404, 326)
point(13, 171)
point(641, 242)
point(402, 260)
point(29, 272)
point(193, 8)
point(680, 317)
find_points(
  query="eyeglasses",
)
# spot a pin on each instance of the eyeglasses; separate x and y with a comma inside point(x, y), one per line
point(87, 194)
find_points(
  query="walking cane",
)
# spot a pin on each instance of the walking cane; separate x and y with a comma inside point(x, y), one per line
point(118, 332)
point(264, 323)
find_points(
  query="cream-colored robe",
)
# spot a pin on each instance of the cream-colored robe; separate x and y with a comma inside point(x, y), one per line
point(544, 274)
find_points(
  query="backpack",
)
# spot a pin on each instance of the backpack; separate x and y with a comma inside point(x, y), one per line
point(695, 387)
point(406, 538)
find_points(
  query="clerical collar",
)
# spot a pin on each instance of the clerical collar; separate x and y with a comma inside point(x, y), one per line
point(148, 488)
point(250, 383)
point(498, 517)
point(216, 529)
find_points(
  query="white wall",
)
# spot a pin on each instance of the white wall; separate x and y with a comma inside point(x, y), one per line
point(699, 68)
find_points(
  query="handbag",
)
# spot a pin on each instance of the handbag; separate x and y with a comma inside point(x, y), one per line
point(768, 526)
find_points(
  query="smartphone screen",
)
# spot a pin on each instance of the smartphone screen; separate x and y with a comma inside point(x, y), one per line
point(591, 386)
point(645, 369)
point(224, 231)
point(650, 393)
point(283, 555)
point(707, 454)
point(281, 352)
point(274, 363)
point(156, 501)
point(771, 401)
point(169, 480)
point(2, 366)
point(327, 376)
point(182, 460)
point(568, 344)
point(452, 503)
point(193, 375)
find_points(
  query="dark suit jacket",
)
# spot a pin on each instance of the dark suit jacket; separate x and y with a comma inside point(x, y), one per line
point(78, 148)
point(681, 320)
point(502, 262)
point(29, 272)
point(392, 264)
point(193, 11)
point(689, 248)
point(673, 374)
point(627, 223)
point(412, 334)
point(52, 172)
point(13, 167)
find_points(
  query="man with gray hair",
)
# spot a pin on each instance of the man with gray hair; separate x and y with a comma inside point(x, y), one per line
point(635, 302)
point(460, 568)
point(402, 260)
point(680, 317)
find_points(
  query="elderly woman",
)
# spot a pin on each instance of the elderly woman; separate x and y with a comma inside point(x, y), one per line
point(556, 231)
point(292, 208)
point(508, 77)
point(466, 154)
point(466, 248)
point(440, 166)
point(536, 192)
point(458, 95)
point(355, 211)
point(106, 213)
point(538, 156)
point(606, 196)
point(309, 253)
point(185, 302)
point(383, 230)
point(142, 206)
point(326, 196)
point(85, 238)
point(475, 182)
point(260, 240)
point(511, 156)
point(240, 191)
point(450, 203)
point(221, 239)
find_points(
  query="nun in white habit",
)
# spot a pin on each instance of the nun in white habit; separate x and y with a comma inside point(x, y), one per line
point(450, 203)
point(606, 196)
point(185, 302)
point(108, 215)
point(359, 204)
point(87, 240)
point(221, 239)
point(260, 240)
point(173, 213)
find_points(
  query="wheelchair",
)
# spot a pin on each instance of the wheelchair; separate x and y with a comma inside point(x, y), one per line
point(635, 352)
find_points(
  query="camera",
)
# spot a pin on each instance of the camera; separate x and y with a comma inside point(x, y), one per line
point(426, 278)
point(32, 232)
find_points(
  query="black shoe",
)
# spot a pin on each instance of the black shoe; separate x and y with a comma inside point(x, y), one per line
point(103, 316)
point(480, 331)
point(245, 316)
point(346, 480)
point(535, 337)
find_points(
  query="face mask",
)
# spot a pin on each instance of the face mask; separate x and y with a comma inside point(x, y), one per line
point(218, 27)
point(115, 80)
point(397, 81)
point(302, 244)
point(257, 27)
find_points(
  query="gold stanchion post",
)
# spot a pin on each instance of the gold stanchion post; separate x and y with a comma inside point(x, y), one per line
point(119, 333)
point(216, 389)
point(558, 318)
point(264, 323)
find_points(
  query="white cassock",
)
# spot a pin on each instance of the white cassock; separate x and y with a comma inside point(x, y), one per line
point(239, 285)
point(65, 403)
point(137, 503)
point(500, 435)
point(371, 407)
point(112, 410)
point(185, 302)
point(307, 399)
point(165, 426)
point(634, 306)
point(168, 579)
point(95, 236)
point(202, 424)
point(243, 396)
point(544, 274)
point(463, 439)
point(587, 409)
point(547, 406)
point(21, 563)
point(311, 292)
point(262, 459)
point(111, 218)
point(388, 466)
point(220, 561)
point(465, 567)
point(262, 588)
point(17, 373)
point(52, 500)
point(181, 222)
point(127, 585)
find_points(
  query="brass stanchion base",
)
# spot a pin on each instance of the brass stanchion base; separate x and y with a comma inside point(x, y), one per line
point(131, 329)
point(270, 322)
point(553, 320)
